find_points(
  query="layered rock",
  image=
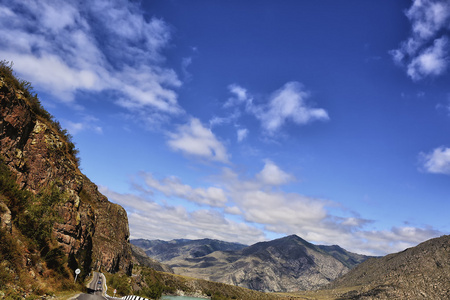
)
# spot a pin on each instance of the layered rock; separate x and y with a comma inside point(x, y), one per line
point(91, 230)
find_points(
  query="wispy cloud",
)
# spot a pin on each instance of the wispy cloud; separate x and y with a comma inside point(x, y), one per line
point(172, 186)
point(436, 161)
point(239, 96)
point(242, 133)
point(90, 46)
point(86, 122)
point(288, 104)
point(425, 52)
point(196, 140)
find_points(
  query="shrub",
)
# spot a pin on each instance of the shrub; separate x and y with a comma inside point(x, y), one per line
point(120, 282)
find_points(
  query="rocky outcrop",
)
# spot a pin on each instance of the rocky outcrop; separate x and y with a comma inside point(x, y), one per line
point(5, 217)
point(91, 230)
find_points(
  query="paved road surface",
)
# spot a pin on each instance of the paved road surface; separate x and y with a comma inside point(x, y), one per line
point(95, 289)
point(89, 297)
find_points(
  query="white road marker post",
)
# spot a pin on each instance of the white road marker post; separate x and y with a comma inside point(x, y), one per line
point(77, 271)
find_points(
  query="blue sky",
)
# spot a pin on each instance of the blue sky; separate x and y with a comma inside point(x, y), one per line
point(250, 120)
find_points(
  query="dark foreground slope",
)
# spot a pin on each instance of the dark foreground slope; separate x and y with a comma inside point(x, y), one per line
point(421, 272)
point(286, 264)
point(54, 214)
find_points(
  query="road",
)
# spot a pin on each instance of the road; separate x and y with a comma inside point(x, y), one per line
point(95, 288)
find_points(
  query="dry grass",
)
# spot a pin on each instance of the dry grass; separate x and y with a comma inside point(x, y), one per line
point(332, 294)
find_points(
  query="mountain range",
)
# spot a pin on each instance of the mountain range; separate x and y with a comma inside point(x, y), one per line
point(281, 265)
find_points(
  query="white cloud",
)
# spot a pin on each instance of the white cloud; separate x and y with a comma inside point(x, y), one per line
point(288, 104)
point(394, 240)
point(437, 161)
point(196, 140)
point(431, 61)
point(240, 95)
point(172, 186)
point(277, 211)
point(234, 210)
point(150, 220)
point(271, 174)
point(425, 52)
point(242, 133)
point(428, 17)
point(67, 47)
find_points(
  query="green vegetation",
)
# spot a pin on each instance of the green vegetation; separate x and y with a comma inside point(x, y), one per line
point(26, 89)
point(120, 282)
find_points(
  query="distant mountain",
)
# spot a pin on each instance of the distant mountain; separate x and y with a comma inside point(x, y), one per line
point(421, 272)
point(140, 258)
point(182, 248)
point(281, 265)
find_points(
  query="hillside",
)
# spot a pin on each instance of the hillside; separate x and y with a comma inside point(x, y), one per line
point(286, 264)
point(421, 272)
point(53, 218)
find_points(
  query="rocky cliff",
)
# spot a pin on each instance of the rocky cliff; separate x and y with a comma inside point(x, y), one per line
point(92, 231)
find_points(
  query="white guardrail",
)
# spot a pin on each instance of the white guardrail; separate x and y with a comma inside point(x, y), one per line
point(126, 298)
point(133, 298)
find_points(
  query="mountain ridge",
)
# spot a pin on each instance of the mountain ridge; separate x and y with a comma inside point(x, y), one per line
point(285, 264)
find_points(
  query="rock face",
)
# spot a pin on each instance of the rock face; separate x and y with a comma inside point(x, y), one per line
point(283, 265)
point(421, 272)
point(91, 230)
